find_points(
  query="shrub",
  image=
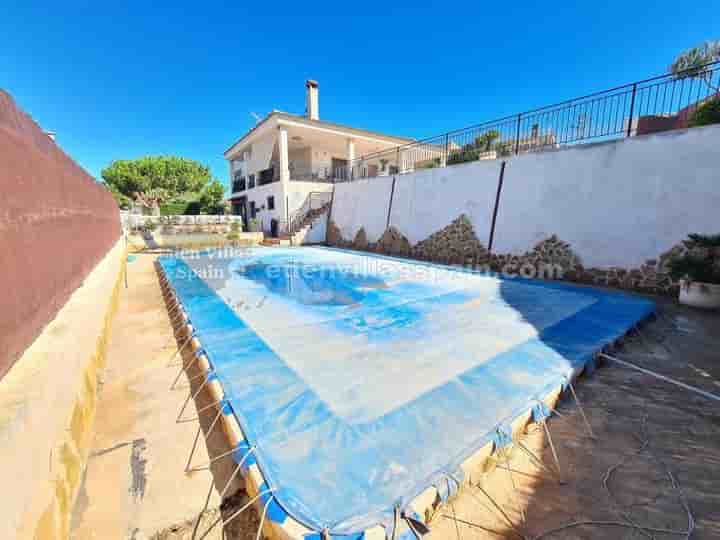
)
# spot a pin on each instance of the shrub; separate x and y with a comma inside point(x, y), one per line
point(701, 263)
point(463, 156)
point(175, 208)
point(193, 208)
point(706, 114)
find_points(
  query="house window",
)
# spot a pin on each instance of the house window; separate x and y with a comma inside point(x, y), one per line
point(253, 210)
point(238, 183)
point(271, 203)
point(251, 181)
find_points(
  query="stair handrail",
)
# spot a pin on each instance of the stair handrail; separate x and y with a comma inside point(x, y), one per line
point(298, 216)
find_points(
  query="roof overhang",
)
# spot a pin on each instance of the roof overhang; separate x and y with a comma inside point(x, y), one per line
point(278, 119)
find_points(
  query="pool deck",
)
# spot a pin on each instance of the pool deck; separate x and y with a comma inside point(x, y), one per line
point(646, 430)
point(135, 486)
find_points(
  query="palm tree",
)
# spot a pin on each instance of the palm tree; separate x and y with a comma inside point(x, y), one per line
point(693, 63)
point(485, 141)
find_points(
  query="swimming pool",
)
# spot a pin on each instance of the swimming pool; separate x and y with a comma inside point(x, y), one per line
point(359, 381)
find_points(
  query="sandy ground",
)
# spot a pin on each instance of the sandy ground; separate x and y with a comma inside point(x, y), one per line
point(652, 469)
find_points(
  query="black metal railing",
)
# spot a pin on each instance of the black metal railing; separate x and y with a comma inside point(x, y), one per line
point(313, 205)
point(239, 183)
point(268, 176)
point(649, 106)
point(328, 175)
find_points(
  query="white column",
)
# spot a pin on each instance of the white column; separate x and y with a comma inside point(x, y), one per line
point(350, 156)
point(284, 175)
point(283, 155)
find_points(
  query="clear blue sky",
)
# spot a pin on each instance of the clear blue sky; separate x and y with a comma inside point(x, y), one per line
point(137, 78)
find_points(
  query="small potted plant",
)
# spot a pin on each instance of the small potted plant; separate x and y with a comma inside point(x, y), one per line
point(698, 271)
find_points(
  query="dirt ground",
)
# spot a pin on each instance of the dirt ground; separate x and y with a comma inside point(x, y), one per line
point(652, 469)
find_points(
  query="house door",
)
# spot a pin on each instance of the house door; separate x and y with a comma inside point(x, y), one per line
point(239, 208)
point(339, 168)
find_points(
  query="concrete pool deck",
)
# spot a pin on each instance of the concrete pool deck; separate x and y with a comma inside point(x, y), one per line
point(135, 485)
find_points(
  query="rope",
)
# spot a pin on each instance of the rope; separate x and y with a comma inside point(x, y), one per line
point(262, 518)
point(495, 505)
point(598, 523)
point(176, 353)
point(694, 389)
point(237, 513)
point(236, 471)
point(471, 524)
point(213, 460)
point(629, 523)
point(582, 410)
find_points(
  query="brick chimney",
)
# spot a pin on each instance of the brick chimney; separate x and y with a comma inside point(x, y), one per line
point(312, 107)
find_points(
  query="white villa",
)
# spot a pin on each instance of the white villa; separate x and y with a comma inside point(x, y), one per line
point(278, 166)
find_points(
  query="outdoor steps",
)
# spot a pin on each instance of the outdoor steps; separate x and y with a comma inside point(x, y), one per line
point(298, 236)
point(275, 242)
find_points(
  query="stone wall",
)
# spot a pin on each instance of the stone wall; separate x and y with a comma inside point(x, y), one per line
point(551, 258)
point(608, 213)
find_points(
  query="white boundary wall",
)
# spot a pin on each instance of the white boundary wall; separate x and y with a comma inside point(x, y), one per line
point(617, 203)
point(362, 203)
point(428, 200)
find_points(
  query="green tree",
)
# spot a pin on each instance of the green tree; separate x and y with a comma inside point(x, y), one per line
point(171, 175)
point(123, 201)
point(212, 197)
point(486, 141)
point(707, 113)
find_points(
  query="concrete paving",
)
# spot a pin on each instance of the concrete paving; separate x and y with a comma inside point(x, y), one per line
point(135, 485)
point(655, 458)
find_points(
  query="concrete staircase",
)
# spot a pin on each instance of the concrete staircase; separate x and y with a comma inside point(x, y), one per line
point(299, 230)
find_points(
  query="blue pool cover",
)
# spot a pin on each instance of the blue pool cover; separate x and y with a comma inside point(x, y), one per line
point(362, 380)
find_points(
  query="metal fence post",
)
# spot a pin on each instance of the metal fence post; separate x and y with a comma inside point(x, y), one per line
point(632, 110)
point(447, 143)
point(517, 135)
point(390, 203)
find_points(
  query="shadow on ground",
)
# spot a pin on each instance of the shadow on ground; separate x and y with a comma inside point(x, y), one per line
point(653, 469)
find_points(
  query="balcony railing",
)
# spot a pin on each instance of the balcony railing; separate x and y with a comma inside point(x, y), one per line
point(658, 104)
point(268, 176)
point(328, 175)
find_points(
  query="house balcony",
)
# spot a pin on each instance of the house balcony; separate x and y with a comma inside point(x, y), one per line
point(243, 182)
point(303, 172)
point(268, 176)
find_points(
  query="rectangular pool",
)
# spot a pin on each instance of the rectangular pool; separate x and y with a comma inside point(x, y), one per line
point(361, 380)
